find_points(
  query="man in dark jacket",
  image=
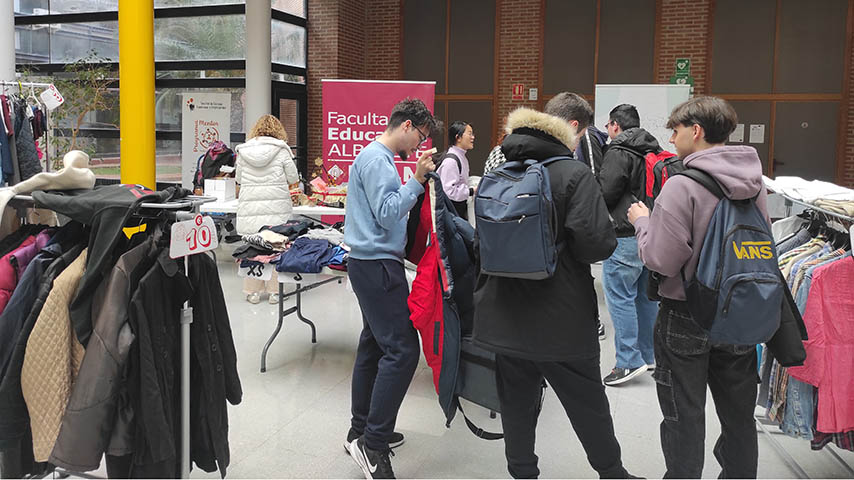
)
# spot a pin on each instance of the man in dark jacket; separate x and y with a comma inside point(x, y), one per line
point(624, 276)
point(547, 328)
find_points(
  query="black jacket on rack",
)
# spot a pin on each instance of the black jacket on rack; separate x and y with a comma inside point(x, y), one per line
point(99, 401)
point(126, 400)
point(213, 361)
point(107, 209)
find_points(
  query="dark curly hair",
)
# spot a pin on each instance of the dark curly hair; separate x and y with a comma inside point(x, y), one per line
point(413, 109)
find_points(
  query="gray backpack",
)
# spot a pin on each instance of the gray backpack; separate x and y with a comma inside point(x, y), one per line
point(737, 292)
point(515, 218)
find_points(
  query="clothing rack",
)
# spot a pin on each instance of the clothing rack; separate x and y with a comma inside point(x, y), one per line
point(789, 202)
point(21, 85)
point(176, 210)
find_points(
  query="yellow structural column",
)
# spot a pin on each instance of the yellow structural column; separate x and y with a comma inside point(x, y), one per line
point(136, 91)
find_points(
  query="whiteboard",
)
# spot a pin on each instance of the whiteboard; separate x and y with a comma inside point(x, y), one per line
point(654, 104)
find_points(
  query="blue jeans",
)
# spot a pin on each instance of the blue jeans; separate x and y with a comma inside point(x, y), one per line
point(633, 314)
point(800, 407)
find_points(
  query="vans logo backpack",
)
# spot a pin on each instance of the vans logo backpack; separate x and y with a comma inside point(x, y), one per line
point(737, 291)
point(516, 222)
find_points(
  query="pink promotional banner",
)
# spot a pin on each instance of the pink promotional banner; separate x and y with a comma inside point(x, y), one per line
point(355, 113)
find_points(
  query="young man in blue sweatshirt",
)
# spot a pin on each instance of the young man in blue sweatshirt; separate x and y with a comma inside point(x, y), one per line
point(375, 230)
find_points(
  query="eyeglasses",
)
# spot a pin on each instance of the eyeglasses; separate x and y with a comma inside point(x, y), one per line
point(420, 136)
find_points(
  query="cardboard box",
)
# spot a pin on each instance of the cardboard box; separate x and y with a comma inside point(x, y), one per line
point(221, 188)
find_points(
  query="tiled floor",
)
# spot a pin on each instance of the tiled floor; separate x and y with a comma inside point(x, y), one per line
point(293, 418)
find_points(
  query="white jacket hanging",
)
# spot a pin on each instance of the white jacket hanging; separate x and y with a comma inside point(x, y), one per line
point(265, 168)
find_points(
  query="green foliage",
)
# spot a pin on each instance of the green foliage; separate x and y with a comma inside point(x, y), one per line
point(86, 89)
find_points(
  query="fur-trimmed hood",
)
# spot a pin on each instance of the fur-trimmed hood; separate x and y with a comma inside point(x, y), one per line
point(554, 126)
point(536, 135)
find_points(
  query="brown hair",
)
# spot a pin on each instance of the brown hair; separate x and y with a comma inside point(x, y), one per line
point(268, 126)
point(570, 106)
point(715, 115)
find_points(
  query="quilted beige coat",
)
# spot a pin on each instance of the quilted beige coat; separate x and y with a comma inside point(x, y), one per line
point(52, 360)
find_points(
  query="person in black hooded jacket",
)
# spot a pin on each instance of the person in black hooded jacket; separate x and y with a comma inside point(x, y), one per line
point(624, 277)
point(547, 328)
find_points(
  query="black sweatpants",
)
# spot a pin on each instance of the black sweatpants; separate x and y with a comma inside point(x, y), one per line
point(580, 390)
point(388, 348)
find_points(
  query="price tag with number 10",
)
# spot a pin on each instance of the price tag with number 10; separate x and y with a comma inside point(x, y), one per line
point(192, 237)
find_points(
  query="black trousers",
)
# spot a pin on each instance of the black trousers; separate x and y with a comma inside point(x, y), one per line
point(580, 390)
point(684, 364)
point(388, 348)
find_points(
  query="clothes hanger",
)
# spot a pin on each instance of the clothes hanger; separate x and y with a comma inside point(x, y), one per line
point(32, 95)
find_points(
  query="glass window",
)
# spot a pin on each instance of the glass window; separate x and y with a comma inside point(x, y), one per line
point(190, 3)
point(31, 7)
point(184, 74)
point(294, 7)
point(200, 38)
point(103, 153)
point(286, 77)
point(168, 163)
point(167, 107)
point(70, 42)
point(32, 43)
point(288, 44)
point(78, 6)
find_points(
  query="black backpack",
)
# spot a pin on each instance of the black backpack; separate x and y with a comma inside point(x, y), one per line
point(218, 155)
point(441, 156)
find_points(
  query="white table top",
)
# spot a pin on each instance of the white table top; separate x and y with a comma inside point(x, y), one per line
point(231, 207)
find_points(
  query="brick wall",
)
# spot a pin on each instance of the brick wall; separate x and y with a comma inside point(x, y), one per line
point(362, 38)
point(518, 53)
point(683, 32)
point(382, 57)
point(322, 63)
point(344, 41)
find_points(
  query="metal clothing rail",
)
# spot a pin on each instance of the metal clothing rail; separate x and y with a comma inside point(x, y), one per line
point(15, 83)
point(178, 209)
point(789, 201)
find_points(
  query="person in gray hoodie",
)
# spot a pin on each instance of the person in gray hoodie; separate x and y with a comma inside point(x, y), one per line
point(669, 242)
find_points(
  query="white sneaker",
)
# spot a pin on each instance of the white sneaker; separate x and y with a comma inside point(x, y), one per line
point(253, 298)
point(274, 299)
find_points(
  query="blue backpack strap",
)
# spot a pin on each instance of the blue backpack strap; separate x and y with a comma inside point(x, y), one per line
point(703, 179)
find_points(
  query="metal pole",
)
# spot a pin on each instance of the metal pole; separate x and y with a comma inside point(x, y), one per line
point(186, 320)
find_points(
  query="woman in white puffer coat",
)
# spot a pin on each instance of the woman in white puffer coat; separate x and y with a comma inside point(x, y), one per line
point(265, 169)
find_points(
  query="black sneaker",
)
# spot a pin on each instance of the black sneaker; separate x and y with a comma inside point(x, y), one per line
point(395, 441)
point(623, 375)
point(601, 331)
point(374, 464)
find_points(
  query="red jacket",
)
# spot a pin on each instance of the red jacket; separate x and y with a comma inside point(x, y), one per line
point(441, 302)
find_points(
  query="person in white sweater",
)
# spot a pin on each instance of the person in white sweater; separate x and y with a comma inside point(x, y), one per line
point(265, 169)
